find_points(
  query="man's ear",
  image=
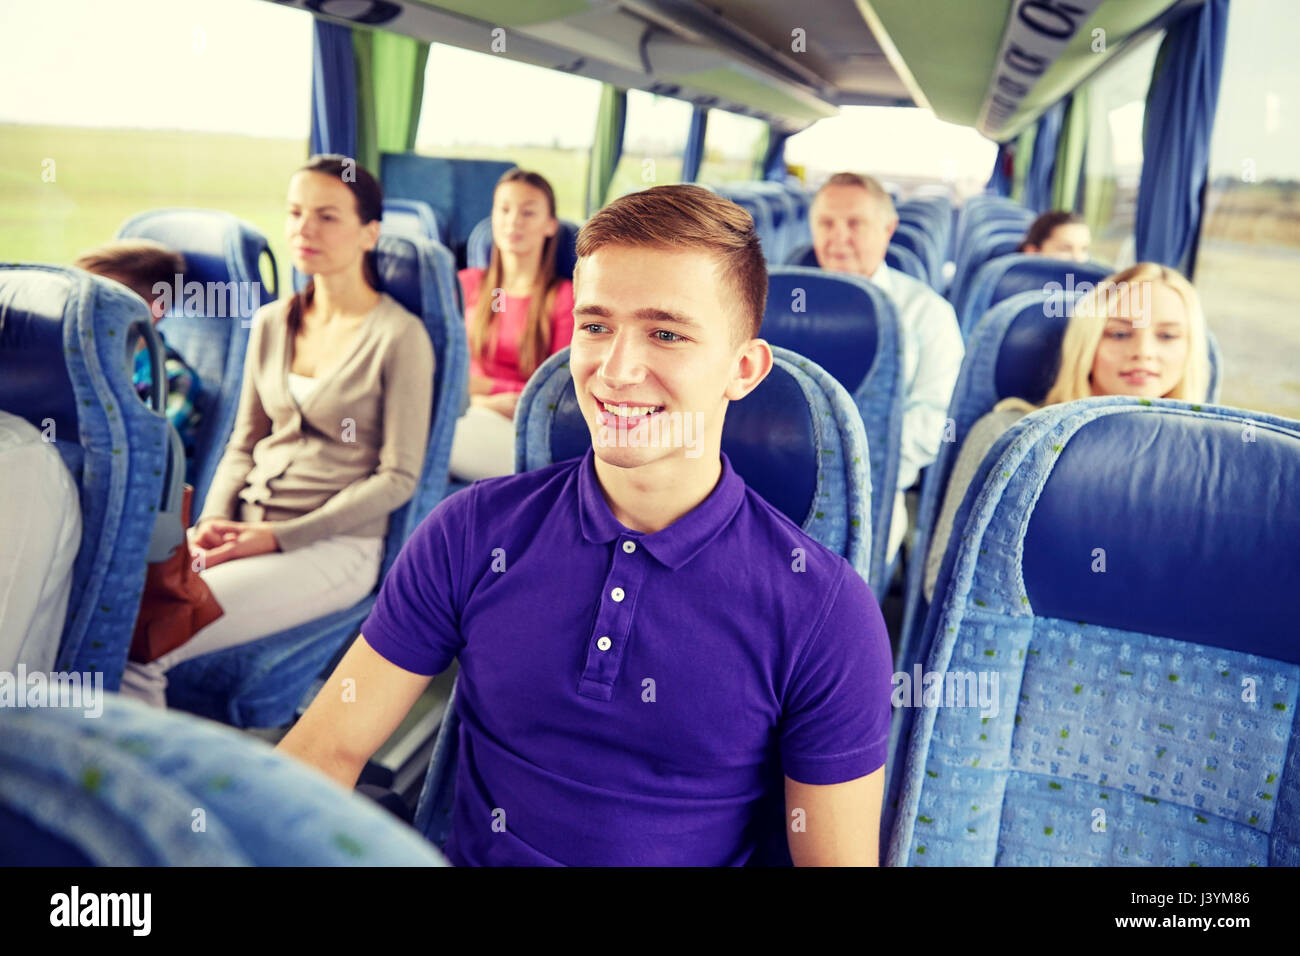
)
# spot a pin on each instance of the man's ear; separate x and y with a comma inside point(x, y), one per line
point(752, 366)
point(892, 225)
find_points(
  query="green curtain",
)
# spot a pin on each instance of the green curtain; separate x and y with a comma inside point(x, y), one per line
point(1024, 157)
point(607, 146)
point(390, 92)
point(1069, 152)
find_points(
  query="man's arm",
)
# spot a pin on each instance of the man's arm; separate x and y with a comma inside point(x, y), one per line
point(835, 824)
point(360, 706)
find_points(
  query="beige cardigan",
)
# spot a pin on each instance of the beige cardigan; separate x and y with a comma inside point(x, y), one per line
point(351, 454)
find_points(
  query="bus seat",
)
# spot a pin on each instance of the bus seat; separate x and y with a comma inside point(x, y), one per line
point(986, 241)
point(919, 242)
point(1142, 634)
point(896, 257)
point(67, 341)
point(218, 249)
point(1002, 277)
point(1014, 351)
point(785, 215)
point(410, 218)
point(260, 684)
point(479, 250)
point(759, 210)
point(459, 191)
point(776, 440)
point(122, 790)
point(849, 328)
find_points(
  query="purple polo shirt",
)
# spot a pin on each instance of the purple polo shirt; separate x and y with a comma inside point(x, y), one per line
point(629, 698)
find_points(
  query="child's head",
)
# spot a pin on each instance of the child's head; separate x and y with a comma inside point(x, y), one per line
point(139, 264)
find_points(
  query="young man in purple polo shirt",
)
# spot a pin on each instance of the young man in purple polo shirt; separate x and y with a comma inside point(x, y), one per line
point(651, 656)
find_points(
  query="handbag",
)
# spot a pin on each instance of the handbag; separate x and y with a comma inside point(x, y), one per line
point(177, 603)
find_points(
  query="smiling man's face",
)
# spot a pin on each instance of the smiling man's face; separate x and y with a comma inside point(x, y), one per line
point(657, 352)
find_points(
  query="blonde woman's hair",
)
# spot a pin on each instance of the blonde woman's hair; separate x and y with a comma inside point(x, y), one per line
point(1088, 322)
point(536, 342)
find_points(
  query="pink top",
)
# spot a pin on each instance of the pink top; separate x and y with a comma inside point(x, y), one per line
point(501, 364)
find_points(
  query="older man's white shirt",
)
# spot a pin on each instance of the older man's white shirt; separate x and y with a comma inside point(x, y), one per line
point(932, 354)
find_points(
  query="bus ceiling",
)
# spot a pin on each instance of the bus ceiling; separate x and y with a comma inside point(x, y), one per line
point(997, 65)
point(787, 65)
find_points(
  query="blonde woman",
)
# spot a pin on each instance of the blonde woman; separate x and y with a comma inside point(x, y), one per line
point(1140, 332)
point(517, 313)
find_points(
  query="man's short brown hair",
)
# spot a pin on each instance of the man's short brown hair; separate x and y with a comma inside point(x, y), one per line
point(869, 183)
point(139, 264)
point(688, 217)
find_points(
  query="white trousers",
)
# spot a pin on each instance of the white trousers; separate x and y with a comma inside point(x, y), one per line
point(266, 594)
point(483, 446)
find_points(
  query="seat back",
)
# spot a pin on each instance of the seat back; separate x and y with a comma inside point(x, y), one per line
point(209, 325)
point(797, 440)
point(479, 250)
point(1137, 618)
point(122, 790)
point(920, 243)
point(1014, 352)
point(260, 684)
point(459, 191)
point(67, 340)
point(1004, 276)
point(986, 241)
point(410, 218)
point(849, 327)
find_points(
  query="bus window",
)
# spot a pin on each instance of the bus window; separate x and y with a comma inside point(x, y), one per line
point(1113, 161)
point(901, 145)
point(482, 106)
point(732, 148)
point(654, 140)
point(1250, 236)
point(178, 114)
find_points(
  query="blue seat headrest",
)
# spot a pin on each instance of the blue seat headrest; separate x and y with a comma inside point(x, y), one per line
point(34, 380)
point(217, 246)
point(411, 218)
point(768, 436)
point(1030, 355)
point(1028, 273)
point(826, 317)
point(398, 262)
point(1194, 484)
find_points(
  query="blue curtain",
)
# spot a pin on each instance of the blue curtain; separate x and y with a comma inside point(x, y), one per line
point(999, 183)
point(1176, 140)
point(774, 160)
point(333, 91)
point(694, 153)
point(1042, 167)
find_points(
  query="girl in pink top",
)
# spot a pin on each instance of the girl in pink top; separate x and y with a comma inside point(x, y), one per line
point(517, 313)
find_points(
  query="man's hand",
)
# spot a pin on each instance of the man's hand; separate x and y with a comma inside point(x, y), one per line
point(503, 403)
point(217, 540)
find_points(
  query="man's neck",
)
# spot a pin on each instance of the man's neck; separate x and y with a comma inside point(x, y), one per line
point(650, 498)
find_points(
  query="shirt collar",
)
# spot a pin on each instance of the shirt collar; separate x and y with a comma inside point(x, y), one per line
point(883, 278)
point(674, 545)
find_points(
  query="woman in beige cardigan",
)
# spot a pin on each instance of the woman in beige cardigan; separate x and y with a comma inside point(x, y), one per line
point(329, 438)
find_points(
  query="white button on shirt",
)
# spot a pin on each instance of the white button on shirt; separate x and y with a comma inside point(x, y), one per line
point(629, 546)
point(617, 594)
point(604, 643)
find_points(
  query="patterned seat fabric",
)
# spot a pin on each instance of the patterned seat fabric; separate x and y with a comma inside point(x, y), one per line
point(1125, 604)
point(66, 344)
point(135, 786)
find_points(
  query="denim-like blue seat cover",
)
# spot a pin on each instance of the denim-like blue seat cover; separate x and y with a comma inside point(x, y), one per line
point(1121, 572)
point(218, 249)
point(137, 786)
point(410, 218)
point(1001, 278)
point(797, 440)
point(459, 191)
point(67, 342)
point(479, 250)
point(260, 684)
point(1013, 353)
point(848, 327)
point(986, 241)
